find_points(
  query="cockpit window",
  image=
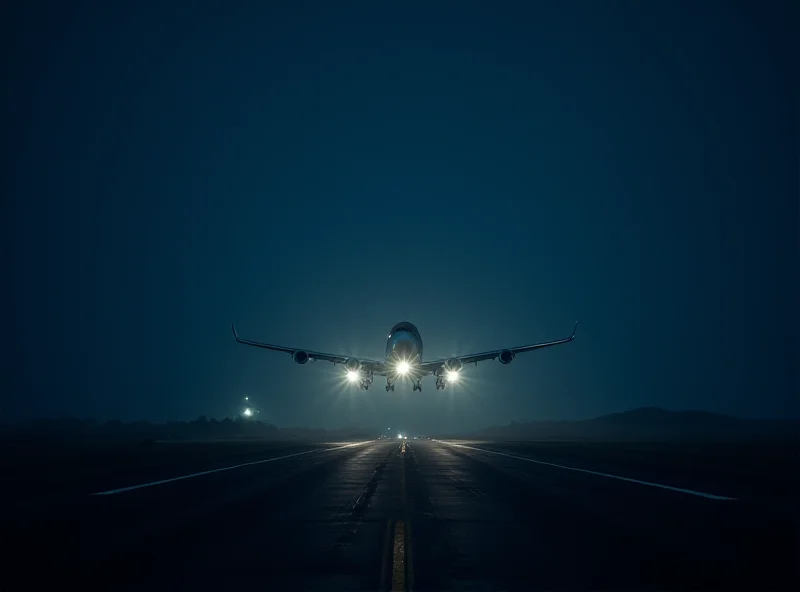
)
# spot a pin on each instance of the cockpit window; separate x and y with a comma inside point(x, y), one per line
point(405, 326)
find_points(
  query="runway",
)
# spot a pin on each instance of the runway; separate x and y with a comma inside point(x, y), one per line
point(403, 515)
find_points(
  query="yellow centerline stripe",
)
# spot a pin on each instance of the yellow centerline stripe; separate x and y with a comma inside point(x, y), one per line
point(399, 533)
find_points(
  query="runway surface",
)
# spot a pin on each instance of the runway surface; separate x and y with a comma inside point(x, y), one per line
point(386, 515)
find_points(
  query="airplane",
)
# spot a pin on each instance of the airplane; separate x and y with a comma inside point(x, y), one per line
point(403, 359)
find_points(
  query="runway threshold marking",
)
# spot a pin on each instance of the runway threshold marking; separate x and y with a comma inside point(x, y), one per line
point(628, 479)
point(201, 473)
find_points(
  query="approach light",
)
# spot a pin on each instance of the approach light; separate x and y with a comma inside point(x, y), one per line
point(403, 367)
point(353, 375)
point(248, 412)
point(452, 376)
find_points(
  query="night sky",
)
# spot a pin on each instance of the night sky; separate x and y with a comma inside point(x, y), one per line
point(318, 172)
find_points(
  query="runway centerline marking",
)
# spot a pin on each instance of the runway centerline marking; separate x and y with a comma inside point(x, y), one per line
point(201, 473)
point(628, 479)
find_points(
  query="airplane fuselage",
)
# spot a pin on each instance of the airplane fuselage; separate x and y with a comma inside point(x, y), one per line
point(404, 344)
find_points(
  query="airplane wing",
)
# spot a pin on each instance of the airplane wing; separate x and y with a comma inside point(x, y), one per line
point(431, 367)
point(373, 366)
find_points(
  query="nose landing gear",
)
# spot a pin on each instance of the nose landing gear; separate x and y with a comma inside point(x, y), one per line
point(366, 382)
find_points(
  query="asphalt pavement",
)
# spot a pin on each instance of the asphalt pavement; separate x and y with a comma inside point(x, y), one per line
point(403, 515)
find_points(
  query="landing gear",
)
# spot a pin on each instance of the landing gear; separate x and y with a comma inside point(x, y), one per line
point(440, 381)
point(418, 385)
point(366, 382)
point(390, 380)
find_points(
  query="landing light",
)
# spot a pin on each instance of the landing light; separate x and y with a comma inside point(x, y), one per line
point(248, 412)
point(353, 376)
point(403, 367)
point(400, 436)
point(452, 376)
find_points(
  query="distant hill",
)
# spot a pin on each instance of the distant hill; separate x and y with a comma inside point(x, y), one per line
point(648, 424)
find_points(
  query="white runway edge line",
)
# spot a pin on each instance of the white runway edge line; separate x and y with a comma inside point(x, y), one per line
point(628, 479)
point(247, 464)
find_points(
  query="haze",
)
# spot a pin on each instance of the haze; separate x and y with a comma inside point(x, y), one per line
point(317, 173)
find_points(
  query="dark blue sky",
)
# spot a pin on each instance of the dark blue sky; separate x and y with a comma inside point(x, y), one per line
point(318, 172)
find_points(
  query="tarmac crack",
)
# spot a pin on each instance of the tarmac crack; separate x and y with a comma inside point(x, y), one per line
point(353, 516)
point(362, 500)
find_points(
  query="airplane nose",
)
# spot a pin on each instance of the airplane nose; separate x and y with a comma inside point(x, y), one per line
point(403, 345)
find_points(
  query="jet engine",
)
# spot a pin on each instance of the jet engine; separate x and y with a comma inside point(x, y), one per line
point(453, 365)
point(352, 365)
point(300, 356)
point(506, 356)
